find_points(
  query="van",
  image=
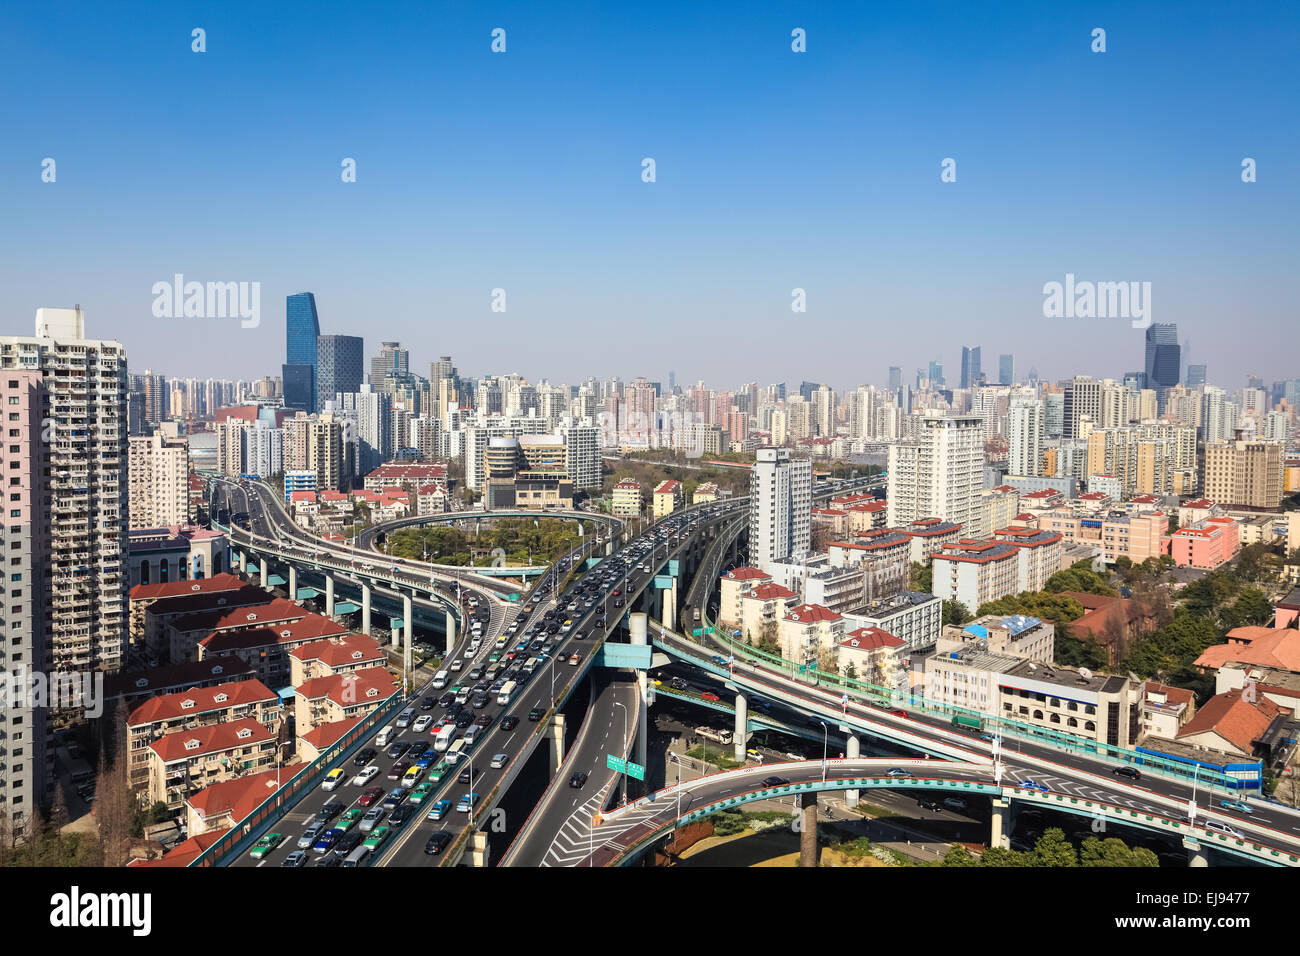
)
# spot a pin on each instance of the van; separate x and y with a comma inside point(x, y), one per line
point(954, 803)
point(384, 736)
point(440, 680)
point(471, 735)
point(475, 644)
point(458, 749)
point(507, 693)
point(405, 717)
point(358, 856)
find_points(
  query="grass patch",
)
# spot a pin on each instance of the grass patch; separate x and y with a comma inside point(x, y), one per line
point(716, 755)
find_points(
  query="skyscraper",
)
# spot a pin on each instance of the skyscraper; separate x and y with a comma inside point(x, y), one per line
point(895, 377)
point(1006, 369)
point(970, 366)
point(339, 366)
point(393, 361)
point(936, 375)
point(301, 328)
point(780, 503)
point(1026, 426)
point(1195, 376)
point(1162, 357)
point(939, 474)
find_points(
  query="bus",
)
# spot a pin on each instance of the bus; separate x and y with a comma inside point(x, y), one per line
point(443, 740)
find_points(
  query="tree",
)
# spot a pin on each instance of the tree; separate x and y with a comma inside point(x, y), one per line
point(1053, 849)
point(767, 639)
point(1001, 856)
point(958, 855)
point(955, 613)
point(921, 577)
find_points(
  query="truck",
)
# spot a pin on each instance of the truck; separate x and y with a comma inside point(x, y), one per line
point(717, 736)
point(967, 723)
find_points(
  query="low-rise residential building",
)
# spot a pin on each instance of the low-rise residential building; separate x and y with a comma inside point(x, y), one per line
point(326, 700)
point(334, 655)
point(266, 648)
point(1137, 536)
point(1233, 723)
point(976, 572)
point(625, 502)
point(129, 689)
point(731, 586)
point(223, 805)
point(189, 709)
point(1039, 555)
point(1262, 646)
point(999, 506)
point(1198, 509)
point(913, 617)
point(144, 597)
point(1016, 635)
point(928, 535)
point(873, 655)
point(867, 516)
point(1279, 685)
point(324, 736)
point(667, 498)
point(705, 492)
point(186, 761)
point(810, 634)
point(185, 634)
point(1205, 544)
point(1112, 623)
point(762, 609)
point(1166, 710)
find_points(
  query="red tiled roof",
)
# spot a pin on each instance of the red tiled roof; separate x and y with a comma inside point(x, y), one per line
point(218, 582)
point(339, 652)
point(746, 573)
point(185, 852)
point(211, 739)
point(808, 613)
point(368, 685)
point(308, 627)
point(190, 673)
point(769, 592)
point(242, 795)
point(273, 611)
point(326, 735)
point(668, 487)
point(1265, 646)
point(870, 638)
point(1237, 721)
point(201, 700)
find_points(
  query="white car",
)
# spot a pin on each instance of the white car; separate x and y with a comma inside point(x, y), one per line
point(365, 776)
point(422, 723)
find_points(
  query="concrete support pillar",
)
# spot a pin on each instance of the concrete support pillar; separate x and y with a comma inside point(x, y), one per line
point(638, 634)
point(808, 831)
point(449, 624)
point(243, 562)
point(293, 582)
point(478, 850)
point(742, 718)
point(407, 622)
point(998, 830)
point(670, 606)
point(609, 547)
point(261, 570)
point(365, 608)
point(1196, 855)
point(329, 595)
point(852, 750)
point(555, 735)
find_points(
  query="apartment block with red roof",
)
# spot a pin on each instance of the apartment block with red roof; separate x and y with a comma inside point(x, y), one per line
point(335, 655)
point(763, 606)
point(410, 476)
point(867, 516)
point(162, 613)
point(927, 536)
point(1166, 710)
point(324, 736)
point(873, 655)
point(826, 525)
point(1233, 723)
point(1190, 512)
point(223, 805)
point(185, 633)
point(187, 761)
point(809, 632)
point(324, 700)
point(667, 498)
point(266, 647)
point(1039, 557)
point(1137, 536)
point(1263, 646)
point(1206, 544)
point(129, 689)
point(144, 596)
point(190, 709)
point(625, 500)
point(976, 572)
point(731, 586)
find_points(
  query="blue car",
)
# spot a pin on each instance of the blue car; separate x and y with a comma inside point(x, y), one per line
point(1236, 805)
point(439, 810)
point(1034, 785)
point(720, 660)
point(327, 840)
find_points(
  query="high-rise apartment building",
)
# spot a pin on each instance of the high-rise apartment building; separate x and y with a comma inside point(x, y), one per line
point(1025, 427)
point(939, 474)
point(780, 506)
point(86, 382)
point(158, 476)
point(26, 778)
point(1244, 474)
point(392, 362)
point(339, 367)
point(299, 374)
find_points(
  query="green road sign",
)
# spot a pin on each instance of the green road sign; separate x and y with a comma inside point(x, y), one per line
point(636, 771)
point(616, 763)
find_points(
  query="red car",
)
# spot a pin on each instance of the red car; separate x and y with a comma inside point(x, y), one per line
point(709, 695)
point(369, 796)
point(899, 713)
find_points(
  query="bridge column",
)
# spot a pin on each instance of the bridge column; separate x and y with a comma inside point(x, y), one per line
point(852, 750)
point(293, 582)
point(609, 547)
point(1196, 855)
point(808, 830)
point(329, 595)
point(478, 850)
point(742, 718)
point(638, 635)
point(261, 570)
point(449, 625)
point(998, 835)
point(555, 734)
point(365, 609)
point(243, 562)
point(670, 606)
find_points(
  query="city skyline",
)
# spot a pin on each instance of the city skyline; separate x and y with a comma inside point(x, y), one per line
point(762, 187)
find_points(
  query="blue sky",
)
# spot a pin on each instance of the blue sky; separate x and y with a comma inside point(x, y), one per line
point(775, 170)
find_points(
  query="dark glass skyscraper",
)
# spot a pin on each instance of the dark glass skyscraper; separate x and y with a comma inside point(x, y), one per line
point(1163, 357)
point(302, 329)
point(340, 367)
point(970, 366)
point(1006, 369)
point(1195, 376)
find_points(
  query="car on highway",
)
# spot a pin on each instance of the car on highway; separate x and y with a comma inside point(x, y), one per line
point(1133, 773)
point(328, 812)
point(377, 837)
point(428, 703)
point(421, 793)
point(419, 749)
point(365, 776)
point(369, 796)
point(394, 797)
point(1215, 826)
point(709, 695)
point(509, 722)
point(467, 803)
point(498, 761)
point(987, 738)
point(899, 772)
point(438, 810)
point(295, 859)
point(575, 660)
point(398, 750)
point(265, 845)
point(350, 819)
point(775, 781)
point(578, 780)
point(309, 835)
point(401, 814)
point(325, 842)
point(437, 842)
point(1031, 784)
point(422, 723)
point(332, 779)
point(364, 757)
point(372, 818)
point(898, 713)
point(1236, 805)
point(412, 777)
point(535, 713)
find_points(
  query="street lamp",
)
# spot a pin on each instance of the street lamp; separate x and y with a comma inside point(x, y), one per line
point(677, 760)
point(624, 748)
point(825, 737)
